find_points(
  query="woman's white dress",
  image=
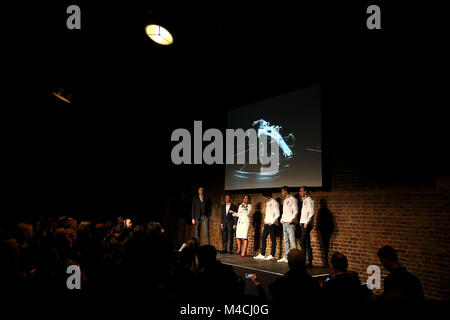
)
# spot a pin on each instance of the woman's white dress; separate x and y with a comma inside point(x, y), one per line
point(243, 222)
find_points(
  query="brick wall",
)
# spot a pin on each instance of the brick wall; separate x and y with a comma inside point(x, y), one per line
point(415, 221)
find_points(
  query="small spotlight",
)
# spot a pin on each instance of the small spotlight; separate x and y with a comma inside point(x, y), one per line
point(159, 34)
point(62, 95)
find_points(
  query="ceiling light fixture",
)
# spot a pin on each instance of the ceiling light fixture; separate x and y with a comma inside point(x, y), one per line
point(63, 95)
point(159, 34)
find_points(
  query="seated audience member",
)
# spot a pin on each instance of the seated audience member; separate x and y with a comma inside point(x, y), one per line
point(399, 284)
point(343, 286)
point(193, 243)
point(246, 298)
point(188, 259)
point(189, 253)
point(118, 228)
point(9, 252)
point(154, 227)
point(217, 282)
point(259, 288)
point(27, 257)
point(127, 232)
point(85, 227)
point(296, 286)
point(24, 234)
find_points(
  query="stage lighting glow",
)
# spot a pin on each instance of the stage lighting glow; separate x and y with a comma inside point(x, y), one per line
point(159, 34)
point(60, 95)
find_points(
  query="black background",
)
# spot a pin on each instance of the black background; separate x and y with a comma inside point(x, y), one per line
point(383, 93)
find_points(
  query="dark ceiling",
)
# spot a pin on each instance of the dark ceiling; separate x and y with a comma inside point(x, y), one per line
point(379, 88)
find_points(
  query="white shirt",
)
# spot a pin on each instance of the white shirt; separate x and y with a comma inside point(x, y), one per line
point(307, 210)
point(290, 209)
point(272, 211)
point(227, 207)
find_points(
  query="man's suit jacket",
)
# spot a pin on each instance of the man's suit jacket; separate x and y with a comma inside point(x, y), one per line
point(197, 207)
point(228, 218)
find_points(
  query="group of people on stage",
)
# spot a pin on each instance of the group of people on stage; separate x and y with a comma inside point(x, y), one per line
point(237, 219)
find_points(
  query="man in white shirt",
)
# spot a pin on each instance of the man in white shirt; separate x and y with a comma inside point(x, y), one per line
point(290, 211)
point(306, 225)
point(270, 222)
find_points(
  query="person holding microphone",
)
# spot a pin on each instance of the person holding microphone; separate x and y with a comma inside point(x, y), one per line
point(243, 224)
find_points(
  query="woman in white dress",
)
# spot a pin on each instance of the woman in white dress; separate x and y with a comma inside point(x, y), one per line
point(242, 225)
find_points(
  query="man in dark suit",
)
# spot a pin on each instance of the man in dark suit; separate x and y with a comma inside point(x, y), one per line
point(399, 284)
point(201, 213)
point(296, 286)
point(228, 224)
point(343, 286)
point(216, 282)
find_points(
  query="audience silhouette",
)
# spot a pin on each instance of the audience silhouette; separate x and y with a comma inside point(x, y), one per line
point(125, 258)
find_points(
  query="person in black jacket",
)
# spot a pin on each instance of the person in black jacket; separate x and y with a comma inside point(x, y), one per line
point(343, 286)
point(201, 213)
point(399, 284)
point(216, 282)
point(228, 224)
point(297, 287)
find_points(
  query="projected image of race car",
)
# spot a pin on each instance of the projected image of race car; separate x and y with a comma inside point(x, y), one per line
point(264, 127)
point(291, 123)
point(285, 144)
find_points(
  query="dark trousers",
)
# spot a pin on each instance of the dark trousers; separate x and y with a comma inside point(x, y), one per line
point(202, 225)
point(227, 236)
point(305, 242)
point(266, 231)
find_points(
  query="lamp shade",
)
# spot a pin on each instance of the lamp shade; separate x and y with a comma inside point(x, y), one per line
point(63, 94)
point(159, 34)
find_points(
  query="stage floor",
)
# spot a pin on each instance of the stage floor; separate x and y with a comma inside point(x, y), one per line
point(267, 271)
point(273, 267)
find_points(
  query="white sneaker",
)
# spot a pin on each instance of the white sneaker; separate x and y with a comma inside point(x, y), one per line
point(270, 257)
point(282, 260)
point(259, 256)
